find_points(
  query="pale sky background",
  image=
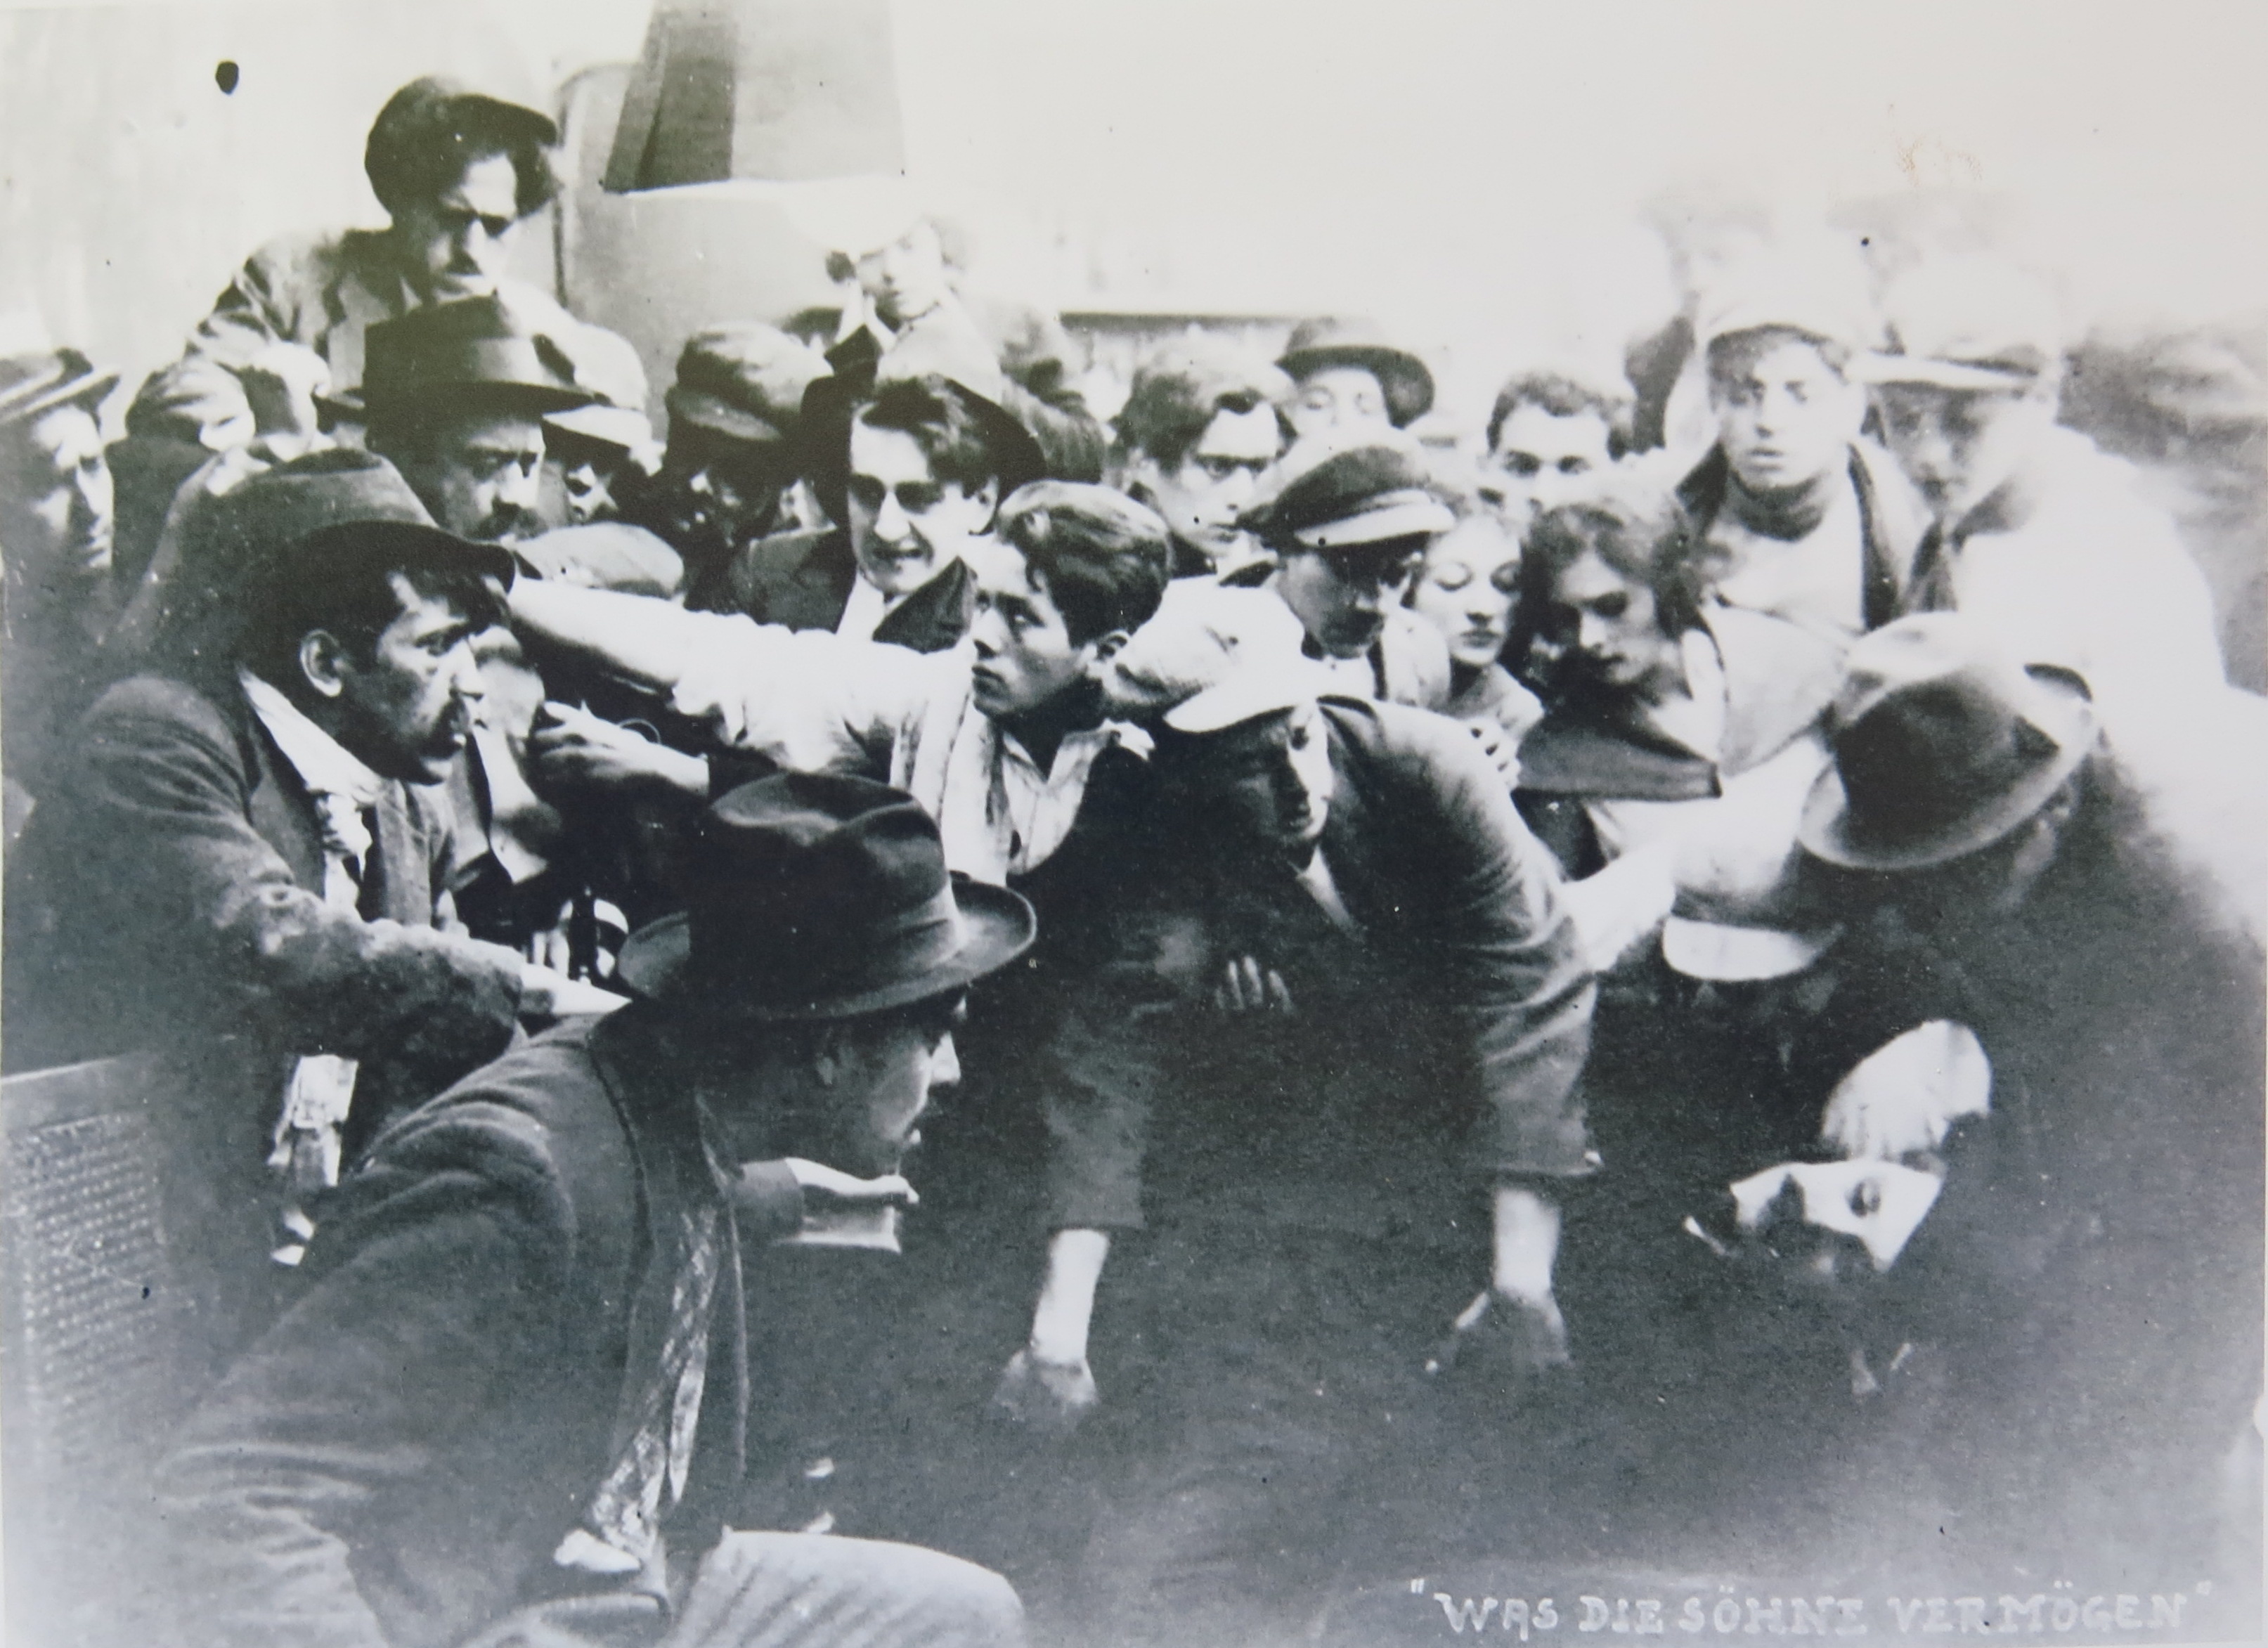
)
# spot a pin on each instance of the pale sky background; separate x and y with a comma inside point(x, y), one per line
point(1468, 171)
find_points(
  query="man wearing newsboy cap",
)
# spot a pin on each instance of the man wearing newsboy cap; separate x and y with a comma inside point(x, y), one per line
point(243, 867)
point(2040, 535)
point(1336, 1049)
point(513, 1404)
point(2088, 1283)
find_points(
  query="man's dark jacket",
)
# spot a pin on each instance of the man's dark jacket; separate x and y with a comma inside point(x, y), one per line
point(396, 1462)
point(1466, 976)
point(803, 579)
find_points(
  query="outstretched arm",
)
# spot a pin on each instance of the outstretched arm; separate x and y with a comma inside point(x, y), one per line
point(650, 640)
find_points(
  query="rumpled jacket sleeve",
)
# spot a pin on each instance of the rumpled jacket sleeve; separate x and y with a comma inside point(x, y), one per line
point(275, 298)
point(433, 1296)
point(1509, 965)
point(173, 857)
point(809, 699)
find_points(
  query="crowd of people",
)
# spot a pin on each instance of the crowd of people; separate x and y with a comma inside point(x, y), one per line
point(1756, 952)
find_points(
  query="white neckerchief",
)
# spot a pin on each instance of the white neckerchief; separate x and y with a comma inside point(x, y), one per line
point(321, 1088)
point(1322, 887)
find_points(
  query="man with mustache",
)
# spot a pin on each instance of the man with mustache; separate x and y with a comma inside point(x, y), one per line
point(457, 171)
point(56, 524)
point(454, 396)
point(243, 868)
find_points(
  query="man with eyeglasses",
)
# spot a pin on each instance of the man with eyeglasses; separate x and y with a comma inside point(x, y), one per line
point(1199, 429)
point(915, 472)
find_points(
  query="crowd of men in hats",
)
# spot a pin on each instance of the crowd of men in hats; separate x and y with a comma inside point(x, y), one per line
point(1763, 944)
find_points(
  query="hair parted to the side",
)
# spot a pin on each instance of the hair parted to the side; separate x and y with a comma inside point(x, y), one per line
point(413, 160)
point(1563, 395)
point(1105, 559)
point(1182, 387)
point(1631, 521)
point(937, 414)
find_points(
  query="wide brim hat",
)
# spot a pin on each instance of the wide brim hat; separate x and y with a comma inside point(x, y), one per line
point(472, 350)
point(1942, 746)
point(1406, 380)
point(825, 897)
point(38, 383)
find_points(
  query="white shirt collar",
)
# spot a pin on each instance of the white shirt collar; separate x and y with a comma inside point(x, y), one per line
point(321, 761)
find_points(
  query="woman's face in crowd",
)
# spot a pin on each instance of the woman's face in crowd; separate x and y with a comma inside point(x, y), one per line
point(1610, 623)
point(1466, 588)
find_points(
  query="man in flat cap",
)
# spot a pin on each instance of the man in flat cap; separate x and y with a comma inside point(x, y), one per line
point(2091, 1281)
point(59, 598)
point(1336, 1047)
point(513, 1404)
point(1347, 378)
point(1200, 428)
point(2041, 536)
point(733, 456)
point(456, 169)
point(1348, 525)
point(1803, 516)
point(244, 867)
point(907, 316)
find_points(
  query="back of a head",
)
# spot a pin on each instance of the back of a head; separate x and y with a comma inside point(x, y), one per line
point(1183, 385)
point(1105, 559)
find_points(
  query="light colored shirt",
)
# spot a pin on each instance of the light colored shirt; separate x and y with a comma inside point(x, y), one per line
point(814, 701)
point(1324, 887)
point(320, 1091)
point(864, 612)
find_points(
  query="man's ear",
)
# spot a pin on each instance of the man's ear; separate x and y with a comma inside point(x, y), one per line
point(1100, 651)
point(827, 1055)
point(988, 498)
point(323, 662)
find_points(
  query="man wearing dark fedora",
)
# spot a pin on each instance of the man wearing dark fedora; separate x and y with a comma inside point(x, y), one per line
point(454, 396)
point(59, 598)
point(514, 1404)
point(1325, 1093)
point(1347, 376)
point(243, 868)
point(2088, 1283)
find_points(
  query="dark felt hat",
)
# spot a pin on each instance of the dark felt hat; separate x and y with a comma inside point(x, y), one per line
point(47, 379)
point(1348, 496)
point(823, 896)
point(474, 348)
point(1316, 344)
point(324, 509)
point(744, 381)
point(1942, 746)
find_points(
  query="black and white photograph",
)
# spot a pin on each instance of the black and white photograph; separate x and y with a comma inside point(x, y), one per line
point(1201, 824)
